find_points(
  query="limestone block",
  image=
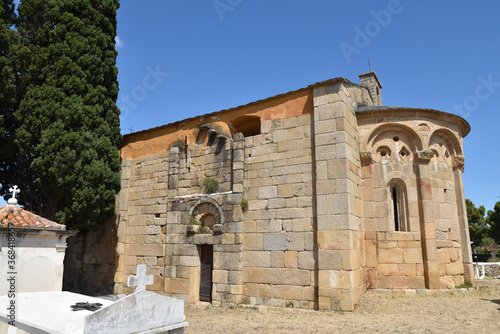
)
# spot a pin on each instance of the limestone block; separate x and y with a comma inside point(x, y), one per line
point(387, 244)
point(329, 259)
point(308, 241)
point(409, 244)
point(388, 269)
point(253, 241)
point(295, 241)
point(179, 285)
point(170, 271)
point(398, 282)
point(335, 239)
point(268, 192)
point(370, 253)
point(302, 224)
point(234, 227)
point(189, 261)
point(325, 303)
point(277, 259)
point(416, 282)
point(144, 250)
point(275, 241)
point(346, 300)
point(337, 169)
point(456, 268)
point(291, 259)
point(275, 226)
point(251, 289)
point(443, 256)
point(285, 190)
point(390, 256)
point(229, 261)
point(235, 277)
point(305, 260)
point(407, 269)
point(262, 226)
point(257, 259)
point(249, 226)
point(454, 254)
point(351, 259)
point(276, 203)
point(277, 276)
point(287, 225)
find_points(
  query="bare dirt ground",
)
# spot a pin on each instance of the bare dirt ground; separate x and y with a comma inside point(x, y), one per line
point(477, 311)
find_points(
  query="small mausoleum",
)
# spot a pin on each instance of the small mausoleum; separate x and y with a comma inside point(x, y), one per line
point(32, 250)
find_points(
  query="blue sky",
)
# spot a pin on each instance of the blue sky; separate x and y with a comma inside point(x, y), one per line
point(179, 59)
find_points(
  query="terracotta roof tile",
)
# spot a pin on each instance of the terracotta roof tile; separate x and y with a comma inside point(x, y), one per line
point(22, 219)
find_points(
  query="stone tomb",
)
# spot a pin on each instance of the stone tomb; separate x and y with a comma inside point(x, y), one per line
point(50, 312)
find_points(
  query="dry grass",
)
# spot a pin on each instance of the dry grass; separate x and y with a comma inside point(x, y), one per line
point(476, 311)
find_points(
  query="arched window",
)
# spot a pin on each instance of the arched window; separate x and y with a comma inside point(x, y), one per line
point(399, 205)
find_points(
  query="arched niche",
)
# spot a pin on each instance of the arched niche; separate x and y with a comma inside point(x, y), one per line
point(446, 138)
point(445, 146)
point(393, 142)
point(207, 212)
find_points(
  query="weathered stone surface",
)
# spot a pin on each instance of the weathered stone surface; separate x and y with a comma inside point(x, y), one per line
point(277, 276)
point(274, 241)
point(257, 259)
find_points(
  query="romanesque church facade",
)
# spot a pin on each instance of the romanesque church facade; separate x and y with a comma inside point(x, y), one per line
point(316, 195)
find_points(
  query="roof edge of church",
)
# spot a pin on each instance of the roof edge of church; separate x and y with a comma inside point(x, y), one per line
point(370, 109)
point(320, 83)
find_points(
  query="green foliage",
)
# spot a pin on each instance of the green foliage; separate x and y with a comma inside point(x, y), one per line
point(202, 229)
point(244, 204)
point(465, 285)
point(66, 127)
point(211, 185)
point(493, 220)
point(193, 221)
point(478, 228)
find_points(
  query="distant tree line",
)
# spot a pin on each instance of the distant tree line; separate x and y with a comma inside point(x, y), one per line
point(484, 227)
point(59, 123)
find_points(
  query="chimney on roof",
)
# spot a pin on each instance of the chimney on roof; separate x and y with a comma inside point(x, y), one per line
point(370, 81)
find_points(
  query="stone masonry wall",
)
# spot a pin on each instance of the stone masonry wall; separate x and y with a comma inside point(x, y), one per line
point(394, 260)
point(341, 278)
point(142, 221)
point(221, 159)
point(278, 241)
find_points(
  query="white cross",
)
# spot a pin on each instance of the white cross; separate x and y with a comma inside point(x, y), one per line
point(141, 280)
point(14, 190)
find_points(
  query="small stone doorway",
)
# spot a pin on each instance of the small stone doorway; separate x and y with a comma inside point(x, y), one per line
point(207, 265)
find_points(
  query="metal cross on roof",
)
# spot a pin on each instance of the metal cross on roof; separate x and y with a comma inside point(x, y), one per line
point(141, 280)
point(13, 190)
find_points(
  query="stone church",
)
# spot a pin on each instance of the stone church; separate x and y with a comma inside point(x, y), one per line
point(307, 199)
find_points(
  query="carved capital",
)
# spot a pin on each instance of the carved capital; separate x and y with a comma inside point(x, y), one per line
point(425, 156)
point(459, 162)
point(365, 157)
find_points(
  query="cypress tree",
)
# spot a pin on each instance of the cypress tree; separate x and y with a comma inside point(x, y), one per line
point(9, 42)
point(67, 123)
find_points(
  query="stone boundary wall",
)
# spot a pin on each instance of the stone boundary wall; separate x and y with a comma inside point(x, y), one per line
point(91, 260)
